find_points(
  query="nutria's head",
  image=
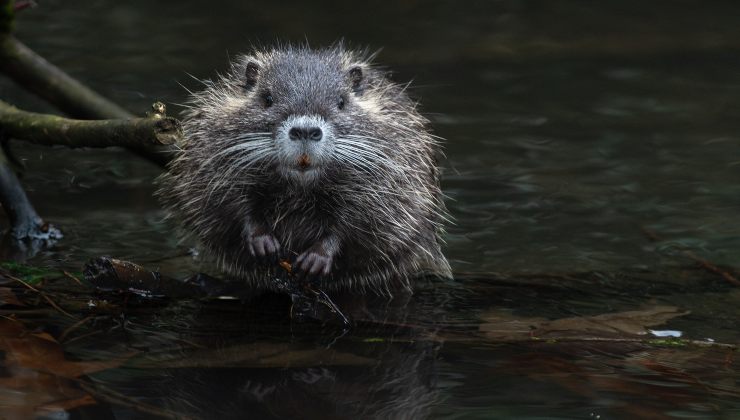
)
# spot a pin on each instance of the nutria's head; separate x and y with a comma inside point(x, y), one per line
point(298, 111)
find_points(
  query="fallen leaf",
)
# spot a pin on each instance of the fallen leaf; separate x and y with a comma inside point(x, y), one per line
point(40, 352)
point(500, 325)
point(35, 377)
point(629, 322)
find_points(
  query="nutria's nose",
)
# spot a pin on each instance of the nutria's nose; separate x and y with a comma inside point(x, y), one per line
point(305, 133)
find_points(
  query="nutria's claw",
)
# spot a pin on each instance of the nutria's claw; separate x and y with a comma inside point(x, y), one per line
point(312, 265)
point(265, 248)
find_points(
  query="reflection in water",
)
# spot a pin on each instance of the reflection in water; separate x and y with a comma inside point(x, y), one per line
point(13, 249)
point(392, 387)
point(382, 368)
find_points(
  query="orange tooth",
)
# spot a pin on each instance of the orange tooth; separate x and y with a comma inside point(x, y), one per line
point(304, 161)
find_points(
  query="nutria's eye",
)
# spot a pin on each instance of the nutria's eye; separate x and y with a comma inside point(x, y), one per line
point(340, 104)
point(267, 98)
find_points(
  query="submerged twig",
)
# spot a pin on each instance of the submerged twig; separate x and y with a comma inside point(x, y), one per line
point(55, 306)
point(72, 277)
point(41, 293)
point(83, 336)
point(309, 301)
point(73, 327)
point(701, 262)
point(21, 281)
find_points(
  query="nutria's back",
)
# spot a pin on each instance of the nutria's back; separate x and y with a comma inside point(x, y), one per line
point(316, 156)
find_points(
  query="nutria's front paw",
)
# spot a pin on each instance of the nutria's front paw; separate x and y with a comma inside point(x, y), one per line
point(264, 247)
point(313, 263)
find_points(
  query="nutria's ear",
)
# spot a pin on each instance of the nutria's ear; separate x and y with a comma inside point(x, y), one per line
point(356, 78)
point(251, 72)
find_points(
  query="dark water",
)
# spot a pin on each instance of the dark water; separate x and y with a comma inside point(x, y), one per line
point(570, 127)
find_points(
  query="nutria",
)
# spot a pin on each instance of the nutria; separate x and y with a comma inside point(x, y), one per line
point(314, 156)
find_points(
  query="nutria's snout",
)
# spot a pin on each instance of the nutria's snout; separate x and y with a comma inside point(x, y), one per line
point(305, 143)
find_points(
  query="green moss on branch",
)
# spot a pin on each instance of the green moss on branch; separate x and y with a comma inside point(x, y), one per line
point(54, 130)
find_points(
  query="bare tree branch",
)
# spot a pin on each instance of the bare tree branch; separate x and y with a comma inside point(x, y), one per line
point(34, 73)
point(49, 129)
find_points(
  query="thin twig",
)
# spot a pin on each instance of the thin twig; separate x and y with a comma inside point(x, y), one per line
point(701, 262)
point(712, 268)
point(80, 337)
point(42, 294)
point(55, 306)
point(73, 277)
point(74, 327)
point(23, 282)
